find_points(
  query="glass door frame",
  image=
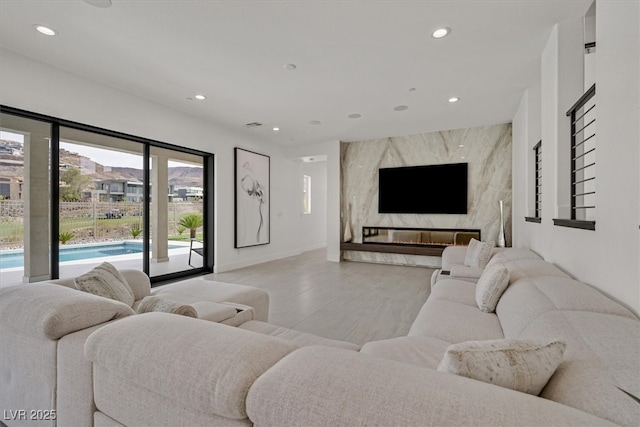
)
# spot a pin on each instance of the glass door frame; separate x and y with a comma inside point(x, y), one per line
point(208, 192)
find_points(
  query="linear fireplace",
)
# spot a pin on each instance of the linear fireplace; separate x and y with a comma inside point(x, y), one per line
point(426, 237)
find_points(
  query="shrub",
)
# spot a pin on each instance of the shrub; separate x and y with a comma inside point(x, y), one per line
point(192, 222)
point(135, 231)
point(65, 237)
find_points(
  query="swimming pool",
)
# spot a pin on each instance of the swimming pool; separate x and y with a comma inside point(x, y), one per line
point(16, 258)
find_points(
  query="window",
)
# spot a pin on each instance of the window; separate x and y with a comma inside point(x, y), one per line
point(306, 195)
point(74, 196)
point(583, 163)
point(537, 184)
point(583, 139)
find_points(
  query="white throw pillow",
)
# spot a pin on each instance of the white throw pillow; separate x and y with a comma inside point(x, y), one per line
point(522, 365)
point(491, 285)
point(478, 253)
point(106, 281)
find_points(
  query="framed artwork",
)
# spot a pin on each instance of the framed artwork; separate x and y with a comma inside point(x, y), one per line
point(252, 198)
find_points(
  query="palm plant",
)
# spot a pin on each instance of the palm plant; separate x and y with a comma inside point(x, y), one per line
point(192, 222)
point(65, 237)
point(135, 231)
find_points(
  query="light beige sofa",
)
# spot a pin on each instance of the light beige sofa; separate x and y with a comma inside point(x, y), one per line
point(165, 370)
point(44, 327)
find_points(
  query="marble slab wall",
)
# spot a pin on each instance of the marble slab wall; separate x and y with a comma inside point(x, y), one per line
point(487, 150)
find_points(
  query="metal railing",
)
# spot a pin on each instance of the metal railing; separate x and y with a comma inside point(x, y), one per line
point(537, 150)
point(583, 157)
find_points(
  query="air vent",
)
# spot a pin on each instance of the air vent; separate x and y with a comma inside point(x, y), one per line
point(253, 125)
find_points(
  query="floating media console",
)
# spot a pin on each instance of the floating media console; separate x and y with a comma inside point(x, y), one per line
point(411, 241)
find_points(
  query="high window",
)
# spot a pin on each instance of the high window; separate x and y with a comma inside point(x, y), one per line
point(537, 184)
point(306, 195)
point(583, 141)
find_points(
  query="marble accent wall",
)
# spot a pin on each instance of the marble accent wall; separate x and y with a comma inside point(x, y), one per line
point(487, 150)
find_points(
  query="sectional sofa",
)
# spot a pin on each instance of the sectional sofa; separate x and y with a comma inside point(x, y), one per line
point(166, 370)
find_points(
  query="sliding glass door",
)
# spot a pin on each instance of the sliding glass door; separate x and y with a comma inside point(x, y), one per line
point(73, 196)
point(176, 213)
point(101, 201)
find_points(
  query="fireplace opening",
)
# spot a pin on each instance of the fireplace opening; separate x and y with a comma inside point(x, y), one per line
point(427, 237)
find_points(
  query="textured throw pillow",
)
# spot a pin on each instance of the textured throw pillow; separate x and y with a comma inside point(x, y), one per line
point(152, 303)
point(478, 253)
point(106, 281)
point(491, 285)
point(522, 365)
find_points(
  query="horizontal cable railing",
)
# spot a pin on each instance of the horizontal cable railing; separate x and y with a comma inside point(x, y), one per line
point(538, 184)
point(583, 157)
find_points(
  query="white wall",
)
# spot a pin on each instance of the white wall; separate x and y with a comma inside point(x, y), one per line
point(331, 150)
point(314, 224)
point(609, 257)
point(31, 85)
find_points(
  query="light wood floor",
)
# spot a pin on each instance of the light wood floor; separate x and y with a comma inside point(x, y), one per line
point(349, 301)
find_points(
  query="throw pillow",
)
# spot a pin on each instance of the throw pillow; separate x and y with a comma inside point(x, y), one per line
point(106, 281)
point(522, 365)
point(152, 303)
point(478, 253)
point(492, 283)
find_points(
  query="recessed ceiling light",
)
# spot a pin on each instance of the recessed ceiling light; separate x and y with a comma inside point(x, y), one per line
point(441, 32)
point(454, 99)
point(200, 97)
point(290, 67)
point(103, 4)
point(354, 116)
point(276, 129)
point(401, 108)
point(461, 145)
point(315, 122)
point(47, 31)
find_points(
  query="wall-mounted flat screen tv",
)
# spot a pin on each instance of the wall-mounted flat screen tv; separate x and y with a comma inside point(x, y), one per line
point(431, 189)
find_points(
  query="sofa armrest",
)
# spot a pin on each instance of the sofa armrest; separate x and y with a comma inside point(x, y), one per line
point(458, 271)
point(317, 386)
point(51, 311)
point(453, 255)
point(194, 370)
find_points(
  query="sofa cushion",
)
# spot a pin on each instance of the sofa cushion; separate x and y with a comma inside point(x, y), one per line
point(199, 289)
point(522, 268)
point(455, 290)
point(465, 272)
point(491, 284)
point(478, 253)
point(603, 353)
point(106, 281)
point(52, 311)
point(511, 254)
point(524, 366)
point(324, 386)
point(191, 367)
point(425, 352)
point(527, 299)
point(455, 322)
point(152, 303)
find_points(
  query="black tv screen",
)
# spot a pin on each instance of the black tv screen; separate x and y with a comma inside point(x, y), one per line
point(432, 189)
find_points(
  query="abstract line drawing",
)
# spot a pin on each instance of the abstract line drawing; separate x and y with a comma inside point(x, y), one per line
point(252, 180)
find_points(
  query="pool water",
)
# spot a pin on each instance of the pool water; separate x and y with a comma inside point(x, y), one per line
point(16, 259)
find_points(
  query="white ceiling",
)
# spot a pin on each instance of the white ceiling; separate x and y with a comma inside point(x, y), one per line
point(351, 56)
